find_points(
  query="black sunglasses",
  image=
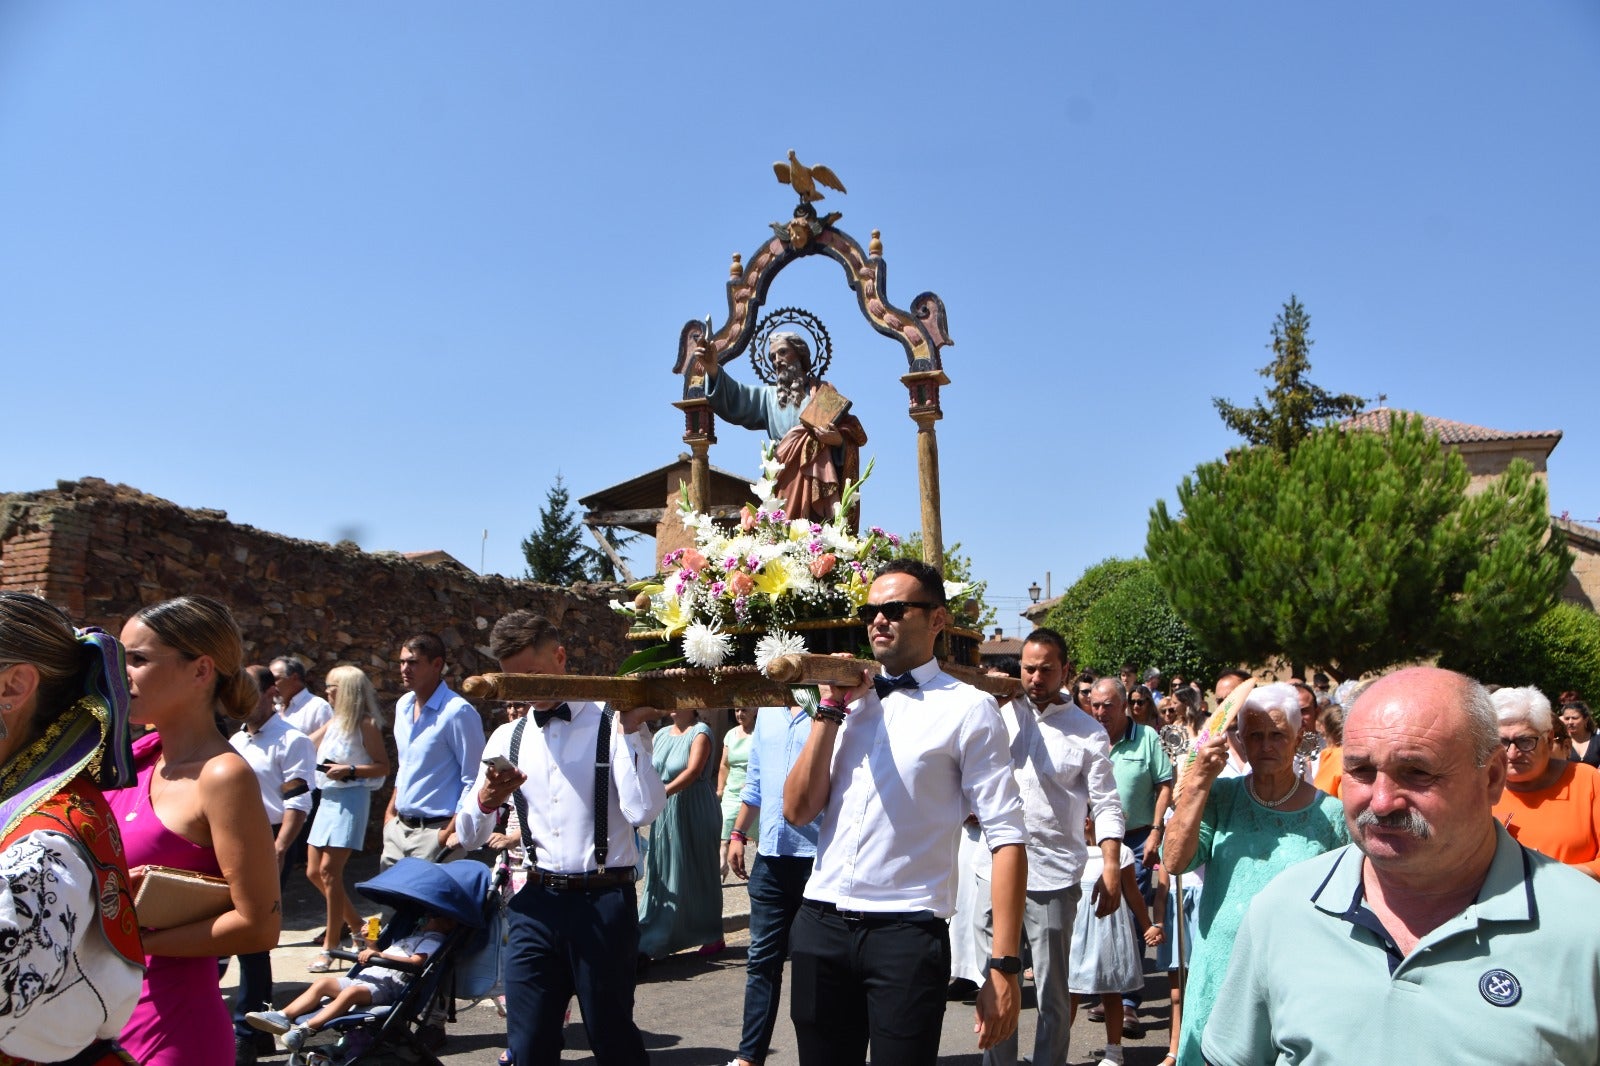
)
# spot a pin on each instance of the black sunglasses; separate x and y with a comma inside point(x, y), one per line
point(894, 610)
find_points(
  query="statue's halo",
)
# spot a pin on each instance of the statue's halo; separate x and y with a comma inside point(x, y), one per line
point(799, 319)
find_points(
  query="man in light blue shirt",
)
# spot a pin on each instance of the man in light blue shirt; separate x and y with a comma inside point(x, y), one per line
point(439, 739)
point(778, 875)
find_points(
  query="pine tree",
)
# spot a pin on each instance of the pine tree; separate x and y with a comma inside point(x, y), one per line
point(1297, 407)
point(555, 551)
point(1359, 550)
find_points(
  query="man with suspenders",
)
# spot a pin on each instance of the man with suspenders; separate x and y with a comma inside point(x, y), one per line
point(582, 781)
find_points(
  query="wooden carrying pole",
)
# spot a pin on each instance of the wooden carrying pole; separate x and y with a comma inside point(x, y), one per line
point(694, 689)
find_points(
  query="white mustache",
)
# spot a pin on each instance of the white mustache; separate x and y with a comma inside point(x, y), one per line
point(1409, 820)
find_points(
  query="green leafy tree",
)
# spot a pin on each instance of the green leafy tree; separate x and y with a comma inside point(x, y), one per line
point(957, 567)
point(1117, 611)
point(1067, 615)
point(1359, 550)
point(555, 551)
point(1295, 407)
point(1558, 653)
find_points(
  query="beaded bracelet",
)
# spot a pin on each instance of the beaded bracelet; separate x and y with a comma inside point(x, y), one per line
point(831, 712)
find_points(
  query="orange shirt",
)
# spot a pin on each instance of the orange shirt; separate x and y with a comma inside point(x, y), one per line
point(1562, 821)
point(1330, 771)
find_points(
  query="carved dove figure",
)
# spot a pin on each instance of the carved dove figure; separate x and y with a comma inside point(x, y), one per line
point(806, 179)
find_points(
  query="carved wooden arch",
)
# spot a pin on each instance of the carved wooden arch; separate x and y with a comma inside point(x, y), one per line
point(921, 331)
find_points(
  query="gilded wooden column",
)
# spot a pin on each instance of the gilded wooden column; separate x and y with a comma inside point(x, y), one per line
point(924, 389)
point(699, 433)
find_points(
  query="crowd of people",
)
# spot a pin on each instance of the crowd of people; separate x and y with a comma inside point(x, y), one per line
point(907, 841)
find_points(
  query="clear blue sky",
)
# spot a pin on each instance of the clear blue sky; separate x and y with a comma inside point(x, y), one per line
point(389, 268)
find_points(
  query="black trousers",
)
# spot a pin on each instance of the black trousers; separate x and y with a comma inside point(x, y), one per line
point(878, 982)
point(573, 943)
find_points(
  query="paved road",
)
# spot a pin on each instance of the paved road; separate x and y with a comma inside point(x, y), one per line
point(689, 1008)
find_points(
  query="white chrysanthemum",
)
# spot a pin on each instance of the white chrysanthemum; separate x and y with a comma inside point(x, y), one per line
point(737, 547)
point(706, 645)
point(775, 644)
point(800, 579)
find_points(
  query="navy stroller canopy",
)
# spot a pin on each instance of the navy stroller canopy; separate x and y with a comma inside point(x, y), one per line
point(455, 890)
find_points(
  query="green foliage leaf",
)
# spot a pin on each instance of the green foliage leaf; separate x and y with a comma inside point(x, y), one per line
point(1117, 611)
point(1356, 551)
point(1295, 407)
point(656, 657)
point(1558, 653)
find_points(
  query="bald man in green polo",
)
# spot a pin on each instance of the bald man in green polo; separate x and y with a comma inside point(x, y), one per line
point(1437, 936)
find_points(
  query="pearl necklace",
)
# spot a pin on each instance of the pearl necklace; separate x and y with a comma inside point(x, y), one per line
point(1250, 784)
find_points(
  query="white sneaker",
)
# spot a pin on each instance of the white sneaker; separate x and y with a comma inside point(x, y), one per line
point(269, 1021)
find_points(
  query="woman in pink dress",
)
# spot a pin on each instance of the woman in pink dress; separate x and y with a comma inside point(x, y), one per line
point(196, 805)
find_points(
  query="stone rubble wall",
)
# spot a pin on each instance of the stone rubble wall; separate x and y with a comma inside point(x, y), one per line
point(102, 551)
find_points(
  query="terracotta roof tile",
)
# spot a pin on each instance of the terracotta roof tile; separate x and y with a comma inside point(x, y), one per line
point(1449, 432)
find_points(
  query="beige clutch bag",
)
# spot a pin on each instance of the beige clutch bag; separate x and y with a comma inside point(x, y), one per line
point(171, 897)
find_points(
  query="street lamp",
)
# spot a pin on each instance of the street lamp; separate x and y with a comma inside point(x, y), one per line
point(1033, 592)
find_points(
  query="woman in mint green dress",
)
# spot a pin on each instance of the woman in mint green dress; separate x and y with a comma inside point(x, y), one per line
point(1245, 831)
point(731, 777)
point(682, 902)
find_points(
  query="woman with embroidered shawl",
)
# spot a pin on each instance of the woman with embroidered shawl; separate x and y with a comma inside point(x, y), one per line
point(70, 956)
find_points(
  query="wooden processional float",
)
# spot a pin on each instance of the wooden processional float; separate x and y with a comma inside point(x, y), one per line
point(920, 332)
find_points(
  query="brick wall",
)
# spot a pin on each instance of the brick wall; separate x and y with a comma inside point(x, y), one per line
point(102, 551)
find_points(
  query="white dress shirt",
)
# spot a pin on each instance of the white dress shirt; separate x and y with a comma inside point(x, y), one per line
point(905, 772)
point(279, 753)
point(1063, 766)
point(306, 712)
point(559, 762)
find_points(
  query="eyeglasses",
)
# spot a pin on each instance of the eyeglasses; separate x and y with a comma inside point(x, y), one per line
point(1523, 743)
point(893, 611)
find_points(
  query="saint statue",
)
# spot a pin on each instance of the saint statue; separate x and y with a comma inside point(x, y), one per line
point(819, 452)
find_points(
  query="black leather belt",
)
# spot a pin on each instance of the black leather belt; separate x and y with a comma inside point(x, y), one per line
point(609, 878)
point(422, 823)
point(872, 917)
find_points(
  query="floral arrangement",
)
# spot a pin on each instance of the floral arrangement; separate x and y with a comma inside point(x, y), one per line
point(767, 574)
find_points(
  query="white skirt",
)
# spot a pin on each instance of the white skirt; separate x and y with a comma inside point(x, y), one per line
point(1106, 953)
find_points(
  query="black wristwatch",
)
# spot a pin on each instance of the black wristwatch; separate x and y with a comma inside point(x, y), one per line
point(1005, 964)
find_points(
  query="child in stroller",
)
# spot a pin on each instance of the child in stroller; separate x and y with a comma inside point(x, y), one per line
point(441, 912)
point(372, 985)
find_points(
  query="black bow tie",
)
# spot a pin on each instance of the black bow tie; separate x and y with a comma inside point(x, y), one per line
point(560, 710)
point(886, 685)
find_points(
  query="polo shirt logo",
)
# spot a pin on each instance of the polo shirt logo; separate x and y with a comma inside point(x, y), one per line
point(1500, 987)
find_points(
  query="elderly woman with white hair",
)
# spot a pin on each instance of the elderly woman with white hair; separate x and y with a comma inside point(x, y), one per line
point(1550, 804)
point(1246, 830)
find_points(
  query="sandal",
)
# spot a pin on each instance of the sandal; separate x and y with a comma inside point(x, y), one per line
point(325, 963)
point(505, 1058)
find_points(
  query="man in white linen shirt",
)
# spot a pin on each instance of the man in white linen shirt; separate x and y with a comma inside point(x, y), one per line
point(870, 948)
point(574, 927)
point(301, 708)
point(1063, 767)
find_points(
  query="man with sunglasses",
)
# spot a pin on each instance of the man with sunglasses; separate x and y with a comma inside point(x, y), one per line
point(894, 765)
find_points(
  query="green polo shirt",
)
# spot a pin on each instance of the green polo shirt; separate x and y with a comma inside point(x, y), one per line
point(1512, 979)
point(1141, 768)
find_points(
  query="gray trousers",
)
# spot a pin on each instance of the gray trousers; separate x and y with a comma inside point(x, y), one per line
point(1047, 919)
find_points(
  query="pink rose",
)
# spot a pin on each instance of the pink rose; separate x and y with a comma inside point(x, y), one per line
point(747, 518)
point(822, 565)
point(693, 560)
point(741, 583)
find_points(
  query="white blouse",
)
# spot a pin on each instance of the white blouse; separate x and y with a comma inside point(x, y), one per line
point(66, 986)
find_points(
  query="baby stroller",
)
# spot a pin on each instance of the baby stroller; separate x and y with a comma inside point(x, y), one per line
point(383, 1035)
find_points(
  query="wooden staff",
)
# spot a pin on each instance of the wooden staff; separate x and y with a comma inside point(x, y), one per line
point(694, 689)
